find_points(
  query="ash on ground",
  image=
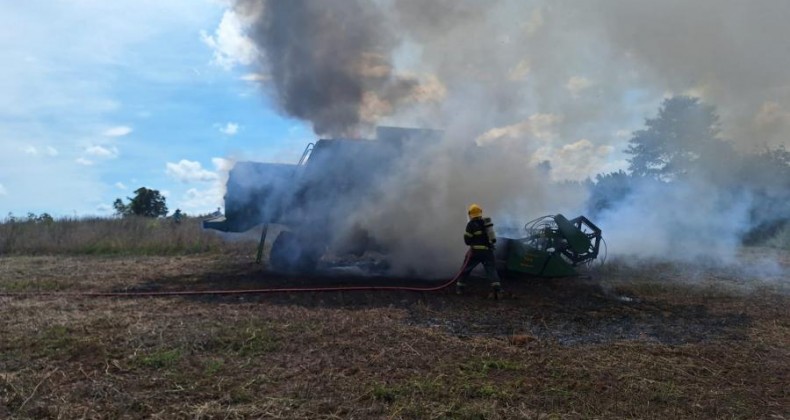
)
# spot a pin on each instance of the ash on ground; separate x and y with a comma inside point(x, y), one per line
point(572, 312)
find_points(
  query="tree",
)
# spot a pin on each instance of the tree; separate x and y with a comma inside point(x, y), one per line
point(608, 191)
point(146, 202)
point(684, 131)
point(120, 208)
point(44, 218)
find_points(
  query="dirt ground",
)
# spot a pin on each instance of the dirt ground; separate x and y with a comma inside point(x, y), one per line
point(648, 340)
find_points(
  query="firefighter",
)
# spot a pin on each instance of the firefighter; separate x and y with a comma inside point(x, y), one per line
point(479, 236)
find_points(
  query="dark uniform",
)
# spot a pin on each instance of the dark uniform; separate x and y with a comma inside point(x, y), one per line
point(482, 252)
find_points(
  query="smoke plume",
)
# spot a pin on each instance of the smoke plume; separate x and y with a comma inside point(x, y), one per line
point(330, 61)
point(530, 93)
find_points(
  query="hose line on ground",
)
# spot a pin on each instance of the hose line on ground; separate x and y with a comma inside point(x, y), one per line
point(250, 291)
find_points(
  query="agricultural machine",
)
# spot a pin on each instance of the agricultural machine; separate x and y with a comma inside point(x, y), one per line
point(553, 246)
point(308, 200)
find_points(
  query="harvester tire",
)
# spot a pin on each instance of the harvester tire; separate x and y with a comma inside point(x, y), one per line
point(288, 254)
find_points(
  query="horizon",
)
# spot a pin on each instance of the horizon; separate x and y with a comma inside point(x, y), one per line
point(168, 96)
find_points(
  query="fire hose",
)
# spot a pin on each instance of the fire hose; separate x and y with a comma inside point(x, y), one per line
point(250, 291)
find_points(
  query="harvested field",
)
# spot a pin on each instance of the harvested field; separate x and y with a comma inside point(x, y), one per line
point(655, 341)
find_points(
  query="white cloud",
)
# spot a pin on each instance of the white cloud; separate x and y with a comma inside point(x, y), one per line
point(105, 208)
point(33, 151)
point(189, 171)
point(229, 129)
point(575, 161)
point(537, 126)
point(83, 161)
point(118, 131)
point(120, 186)
point(231, 47)
point(577, 84)
point(520, 71)
point(3, 191)
point(102, 152)
point(255, 77)
point(202, 200)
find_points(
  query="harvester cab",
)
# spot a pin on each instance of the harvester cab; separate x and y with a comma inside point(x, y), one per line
point(308, 199)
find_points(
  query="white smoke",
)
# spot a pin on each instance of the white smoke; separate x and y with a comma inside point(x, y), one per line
point(515, 83)
point(681, 221)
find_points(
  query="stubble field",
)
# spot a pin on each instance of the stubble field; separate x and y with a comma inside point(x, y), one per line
point(646, 341)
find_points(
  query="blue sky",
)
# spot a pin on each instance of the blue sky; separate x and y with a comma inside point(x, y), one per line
point(100, 98)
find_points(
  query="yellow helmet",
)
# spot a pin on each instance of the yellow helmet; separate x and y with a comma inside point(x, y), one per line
point(475, 211)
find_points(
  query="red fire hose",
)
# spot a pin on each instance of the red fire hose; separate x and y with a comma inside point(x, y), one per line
point(249, 291)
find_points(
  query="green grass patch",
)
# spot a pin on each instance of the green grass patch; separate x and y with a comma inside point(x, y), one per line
point(48, 285)
point(56, 341)
point(212, 367)
point(428, 387)
point(384, 393)
point(419, 387)
point(664, 393)
point(160, 359)
point(62, 342)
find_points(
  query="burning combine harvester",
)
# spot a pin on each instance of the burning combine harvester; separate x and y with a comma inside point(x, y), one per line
point(309, 199)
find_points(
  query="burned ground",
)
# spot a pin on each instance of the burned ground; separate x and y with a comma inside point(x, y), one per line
point(650, 341)
point(567, 311)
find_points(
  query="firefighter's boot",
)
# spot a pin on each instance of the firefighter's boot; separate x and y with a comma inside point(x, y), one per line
point(496, 291)
point(460, 289)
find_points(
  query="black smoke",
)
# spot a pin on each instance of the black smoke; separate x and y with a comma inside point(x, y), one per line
point(329, 60)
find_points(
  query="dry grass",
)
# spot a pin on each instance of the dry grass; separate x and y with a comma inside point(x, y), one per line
point(101, 236)
point(384, 356)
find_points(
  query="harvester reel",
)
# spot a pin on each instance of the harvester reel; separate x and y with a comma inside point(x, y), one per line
point(553, 246)
point(577, 240)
